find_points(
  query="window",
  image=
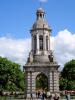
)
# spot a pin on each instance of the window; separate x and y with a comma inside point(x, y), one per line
point(46, 42)
point(35, 43)
point(40, 15)
point(41, 42)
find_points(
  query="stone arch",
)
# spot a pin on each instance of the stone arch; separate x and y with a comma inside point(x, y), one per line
point(41, 81)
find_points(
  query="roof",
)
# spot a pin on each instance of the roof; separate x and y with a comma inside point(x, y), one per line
point(40, 10)
point(40, 22)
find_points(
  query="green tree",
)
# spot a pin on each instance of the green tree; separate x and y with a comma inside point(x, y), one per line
point(67, 79)
point(11, 76)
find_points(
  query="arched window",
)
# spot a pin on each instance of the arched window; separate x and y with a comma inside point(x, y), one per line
point(46, 42)
point(40, 15)
point(41, 42)
point(35, 43)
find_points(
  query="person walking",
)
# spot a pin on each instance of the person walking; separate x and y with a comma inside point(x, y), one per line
point(68, 96)
point(49, 95)
point(56, 97)
point(42, 96)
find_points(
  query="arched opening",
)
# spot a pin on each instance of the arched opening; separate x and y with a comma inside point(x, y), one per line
point(41, 42)
point(47, 43)
point(41, 82)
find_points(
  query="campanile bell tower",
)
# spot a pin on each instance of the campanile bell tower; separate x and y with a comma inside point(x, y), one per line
point(41, 59)
point(40, 33)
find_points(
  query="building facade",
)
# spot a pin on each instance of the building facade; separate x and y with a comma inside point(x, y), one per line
point(41, 59)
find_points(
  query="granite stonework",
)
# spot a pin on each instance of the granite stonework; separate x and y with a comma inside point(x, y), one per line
point(41, 59)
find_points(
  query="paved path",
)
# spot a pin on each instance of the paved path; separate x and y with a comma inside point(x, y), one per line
point(38, 99)
point(47, 99)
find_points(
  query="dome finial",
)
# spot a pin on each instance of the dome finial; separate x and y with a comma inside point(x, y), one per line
point(40, 13)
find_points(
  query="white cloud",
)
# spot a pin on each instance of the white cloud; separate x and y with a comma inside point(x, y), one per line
point(63, 45)
point(15, 50)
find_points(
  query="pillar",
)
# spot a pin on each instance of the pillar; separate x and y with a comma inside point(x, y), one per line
point(31, 88)
point(54, 81)
point(49, 43)
point(44, 43)
point(37, 36)
point(51, 81)
point(33, 85)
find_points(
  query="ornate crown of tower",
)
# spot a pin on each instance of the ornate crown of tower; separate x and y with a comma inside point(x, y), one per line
point(40, 34)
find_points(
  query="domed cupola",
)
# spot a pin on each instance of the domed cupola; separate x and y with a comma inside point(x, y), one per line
point(40, 22)
point(40, 13)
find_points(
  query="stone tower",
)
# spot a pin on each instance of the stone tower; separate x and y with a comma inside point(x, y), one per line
point(41, 59)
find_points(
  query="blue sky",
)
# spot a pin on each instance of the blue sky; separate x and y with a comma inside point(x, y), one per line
point(17, 16)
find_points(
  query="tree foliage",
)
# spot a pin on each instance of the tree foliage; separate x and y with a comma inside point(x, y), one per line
point(67, 79)
point(11, 76)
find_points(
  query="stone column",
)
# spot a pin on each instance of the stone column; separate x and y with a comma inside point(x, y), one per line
point(56, 81)
point(49, 43)
point(51, 82)
point(26, 77)
point(37, 51)
point(33, 85)
point(31, 88)
point(28, 85)
point(44, 43)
